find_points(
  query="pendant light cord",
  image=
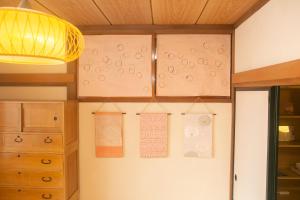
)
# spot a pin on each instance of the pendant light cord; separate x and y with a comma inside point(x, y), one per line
point(24, 4)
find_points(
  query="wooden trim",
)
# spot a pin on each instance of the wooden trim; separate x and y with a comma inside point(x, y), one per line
point(250, 12)
point(75, 196)
point(153, 64)
point(70, 148)
point(157, 99)
point(287, 73)
point(72, 68)
point(156, 29)
point(36, 79)
point(231, 172)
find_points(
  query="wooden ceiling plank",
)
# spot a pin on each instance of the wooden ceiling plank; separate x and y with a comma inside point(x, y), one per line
point(177, 11)
point(225, 11)
point(126, 11)
point(83, 12)
point(32, 3)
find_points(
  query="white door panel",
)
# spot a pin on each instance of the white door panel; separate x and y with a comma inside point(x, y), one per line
point(251, 145)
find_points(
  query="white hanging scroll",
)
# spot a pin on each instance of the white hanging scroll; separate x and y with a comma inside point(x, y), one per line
point(198, 135)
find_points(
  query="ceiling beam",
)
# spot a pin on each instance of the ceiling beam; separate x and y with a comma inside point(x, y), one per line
point(287, 73)
point(36, 79)
point(158, 29)
point(250, 12)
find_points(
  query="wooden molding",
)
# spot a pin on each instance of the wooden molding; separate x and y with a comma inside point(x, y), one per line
point(36, 79)
point(250, 12)
point(287, 73)
point(72, 68)
point(156, 29)
point(157, 99)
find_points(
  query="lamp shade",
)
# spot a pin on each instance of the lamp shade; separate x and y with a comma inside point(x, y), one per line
point(32, 37)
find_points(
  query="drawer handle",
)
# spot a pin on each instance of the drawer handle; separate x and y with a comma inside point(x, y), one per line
point(48, 140)
point(47, 196)
point(46, 162)
point(18, 139)
point(55, 118)
point(47, 179)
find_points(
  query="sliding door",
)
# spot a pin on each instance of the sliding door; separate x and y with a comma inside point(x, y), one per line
point(254, 145)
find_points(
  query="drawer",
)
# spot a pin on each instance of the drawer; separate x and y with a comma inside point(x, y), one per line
point(31, 143)
point(31, 161)
point(31, 178)
point(43, 117)
point(30, 194)
point(10, 117)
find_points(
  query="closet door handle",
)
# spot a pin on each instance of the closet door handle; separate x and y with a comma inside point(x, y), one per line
point(235, 177)
point(47, 196)
point(47, 179)
point(48, 140)
point(18, 139)
point(46, 162)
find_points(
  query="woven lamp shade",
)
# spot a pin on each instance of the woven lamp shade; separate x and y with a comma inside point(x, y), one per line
point(32, 37)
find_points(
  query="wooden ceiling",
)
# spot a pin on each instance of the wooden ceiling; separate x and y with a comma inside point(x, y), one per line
point(116, 12)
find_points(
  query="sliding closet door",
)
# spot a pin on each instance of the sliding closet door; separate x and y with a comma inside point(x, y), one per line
point(251, 145)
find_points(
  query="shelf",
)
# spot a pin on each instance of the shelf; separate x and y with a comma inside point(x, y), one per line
point(289, 116)
point(292, 144)
point(290, 175)
point(288, 188)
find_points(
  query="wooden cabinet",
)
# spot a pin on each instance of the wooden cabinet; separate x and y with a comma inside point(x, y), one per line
point(10, 117)
point(288, 180)
point(38, 150)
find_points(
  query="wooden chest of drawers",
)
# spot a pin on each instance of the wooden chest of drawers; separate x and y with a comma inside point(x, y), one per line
point(38, 150)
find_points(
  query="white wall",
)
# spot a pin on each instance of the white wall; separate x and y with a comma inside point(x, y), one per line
point(171, 178)
point(32, 93)
point(270, 36)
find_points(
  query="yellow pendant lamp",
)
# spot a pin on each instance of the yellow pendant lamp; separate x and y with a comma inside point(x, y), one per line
point(31, 37)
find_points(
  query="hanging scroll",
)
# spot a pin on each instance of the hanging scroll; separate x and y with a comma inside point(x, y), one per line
point(198, 135)
point(153, 135)
point(108, 134)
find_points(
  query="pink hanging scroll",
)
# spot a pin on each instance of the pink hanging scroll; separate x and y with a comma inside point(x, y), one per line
point(153, 135)
point(109, 136)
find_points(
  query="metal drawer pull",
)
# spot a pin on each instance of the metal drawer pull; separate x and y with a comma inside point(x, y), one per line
point(47, 196)
point(47, 179)
point(46, 162)
point(48, 140)
point(18, 139)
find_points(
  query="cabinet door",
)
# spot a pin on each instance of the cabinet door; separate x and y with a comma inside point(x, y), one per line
point(10, 117)
point(251, 145)
point(43, 117)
